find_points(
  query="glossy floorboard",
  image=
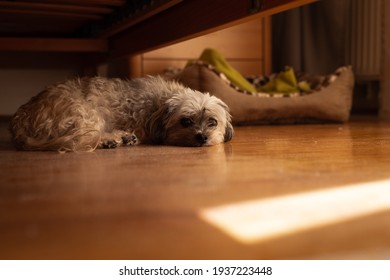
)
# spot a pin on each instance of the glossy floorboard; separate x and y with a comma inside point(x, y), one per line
point(274, 192)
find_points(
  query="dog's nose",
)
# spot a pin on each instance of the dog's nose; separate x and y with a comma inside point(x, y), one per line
point(201, 138)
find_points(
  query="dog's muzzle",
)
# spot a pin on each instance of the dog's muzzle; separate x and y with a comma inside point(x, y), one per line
point(201, 139)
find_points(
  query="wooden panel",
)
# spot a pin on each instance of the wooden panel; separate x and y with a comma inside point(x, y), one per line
point(50, 14)
point(141, 15)
point(53, 45)
point(244, 46)
point(267, 46)
point(83, 2)
point(173, 21)
point(50, 18)
point(54, 7)
point(187, 20)
point(241, 41)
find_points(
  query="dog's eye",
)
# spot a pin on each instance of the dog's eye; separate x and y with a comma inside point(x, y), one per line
point(212, 122)
point(186, 122)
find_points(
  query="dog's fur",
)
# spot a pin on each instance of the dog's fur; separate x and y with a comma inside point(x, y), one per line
point(88, 113)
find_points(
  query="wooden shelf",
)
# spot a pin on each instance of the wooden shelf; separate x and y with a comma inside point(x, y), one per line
point(190, 19)
point(150, 25)
point(53, 45)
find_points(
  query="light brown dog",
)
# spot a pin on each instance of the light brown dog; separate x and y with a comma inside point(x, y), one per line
point(89, 113)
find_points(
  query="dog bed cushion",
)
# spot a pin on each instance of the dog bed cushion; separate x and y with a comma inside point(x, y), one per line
point(328, 98)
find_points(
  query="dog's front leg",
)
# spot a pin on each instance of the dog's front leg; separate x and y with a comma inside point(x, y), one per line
point(117, 138)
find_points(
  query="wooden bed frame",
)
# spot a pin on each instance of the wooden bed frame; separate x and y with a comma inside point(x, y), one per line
point(110, 29)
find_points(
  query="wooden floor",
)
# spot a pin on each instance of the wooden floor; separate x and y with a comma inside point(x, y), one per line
point(274, 192)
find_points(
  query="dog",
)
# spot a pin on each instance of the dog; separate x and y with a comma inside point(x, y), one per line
point(95, 112)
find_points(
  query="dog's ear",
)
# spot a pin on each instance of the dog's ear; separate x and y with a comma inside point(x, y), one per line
point(155, 129)
point(228, 132)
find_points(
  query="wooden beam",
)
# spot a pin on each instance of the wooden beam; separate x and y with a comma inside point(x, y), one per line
point(157, 7)
point(190, 19)
point(83, 2)
point(51, 14)
point(53, 45)
point(54, 7)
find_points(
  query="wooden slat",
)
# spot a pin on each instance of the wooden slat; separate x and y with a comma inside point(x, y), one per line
point(54, 7)
point(158, 7)
point(190, 19)
point(50, 14)
point(53, 45)
point(82, 2)
point(35, 26)
point(242, 45)
point(267, 51)
point(239, 41)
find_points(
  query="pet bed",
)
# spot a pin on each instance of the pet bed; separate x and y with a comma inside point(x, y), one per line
point(319, 98)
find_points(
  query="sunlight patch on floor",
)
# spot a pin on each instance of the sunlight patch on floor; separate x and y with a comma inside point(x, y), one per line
point(259, 220)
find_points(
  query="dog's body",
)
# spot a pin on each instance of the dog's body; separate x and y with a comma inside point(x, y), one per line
point(89, 113)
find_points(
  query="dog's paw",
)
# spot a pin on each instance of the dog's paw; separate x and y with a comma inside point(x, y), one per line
point(117, 138)
point(108, 144)
point(129, 140)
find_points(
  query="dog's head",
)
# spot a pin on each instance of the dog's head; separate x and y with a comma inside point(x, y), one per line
point(191, 118)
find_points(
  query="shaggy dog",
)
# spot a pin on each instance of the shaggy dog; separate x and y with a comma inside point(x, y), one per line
point(89, 113)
